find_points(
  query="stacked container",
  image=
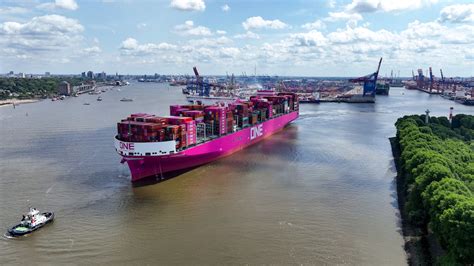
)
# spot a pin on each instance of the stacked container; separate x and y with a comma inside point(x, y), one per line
point(196, 115)
point(216, 114)
point(182, 125)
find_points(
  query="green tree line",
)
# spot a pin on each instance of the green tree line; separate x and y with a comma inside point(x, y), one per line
point(437, 162)
point(27, 88)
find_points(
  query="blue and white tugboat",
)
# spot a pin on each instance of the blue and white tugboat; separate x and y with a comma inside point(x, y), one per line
point(31, 222)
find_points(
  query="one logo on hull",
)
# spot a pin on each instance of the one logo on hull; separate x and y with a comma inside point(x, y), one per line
point(127, 146)
point(256, 131)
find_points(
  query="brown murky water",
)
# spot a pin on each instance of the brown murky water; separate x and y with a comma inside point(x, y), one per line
point(319, 192)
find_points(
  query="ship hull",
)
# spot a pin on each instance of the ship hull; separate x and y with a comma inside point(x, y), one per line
point(147, 166)
point(382, 91)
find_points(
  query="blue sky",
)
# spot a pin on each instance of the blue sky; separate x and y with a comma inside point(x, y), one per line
point(309, 38)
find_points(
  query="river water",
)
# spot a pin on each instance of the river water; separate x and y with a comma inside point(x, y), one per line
point(321, 191)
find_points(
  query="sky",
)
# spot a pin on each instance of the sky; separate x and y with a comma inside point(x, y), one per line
point(277, 37)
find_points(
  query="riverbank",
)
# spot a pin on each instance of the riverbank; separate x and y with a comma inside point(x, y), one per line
point(434, 160)
point(16, 101)
point(416, 238)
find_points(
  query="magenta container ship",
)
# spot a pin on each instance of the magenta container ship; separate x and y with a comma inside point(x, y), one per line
point(198, 134)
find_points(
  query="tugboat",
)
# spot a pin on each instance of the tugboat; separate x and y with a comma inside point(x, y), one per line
point(31, 222)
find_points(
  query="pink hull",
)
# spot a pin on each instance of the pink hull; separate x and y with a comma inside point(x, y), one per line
point(145, 166)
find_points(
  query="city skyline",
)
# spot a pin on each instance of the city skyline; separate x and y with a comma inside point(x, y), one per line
point(301, 38)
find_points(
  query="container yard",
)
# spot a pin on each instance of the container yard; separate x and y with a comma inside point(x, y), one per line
point(455, 89)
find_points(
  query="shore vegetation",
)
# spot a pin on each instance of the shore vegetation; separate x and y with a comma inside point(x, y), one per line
point(437, 169)
point(30, 88)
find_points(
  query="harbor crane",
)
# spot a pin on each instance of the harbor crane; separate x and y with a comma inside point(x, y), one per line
point(369, 81)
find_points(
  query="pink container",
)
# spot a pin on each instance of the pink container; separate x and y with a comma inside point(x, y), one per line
point(191, 132)
point(173, 109)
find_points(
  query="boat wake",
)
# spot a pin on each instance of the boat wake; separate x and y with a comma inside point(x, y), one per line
point(8, 236)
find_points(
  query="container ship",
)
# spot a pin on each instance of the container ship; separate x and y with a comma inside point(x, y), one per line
point(197, 134)
point(383, 88)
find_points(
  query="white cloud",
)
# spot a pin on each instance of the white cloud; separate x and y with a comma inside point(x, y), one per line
point(367, 6)
point(221, 32)
point(316, 25)
point(60, 4)
point(67, 4)
point(260, 23)
point(166, 46)
point(92, 50)
point(13, 10)
point(229, 52)
point(463, 34)
point(457, 14)
point(312, 38)
point(338, 16)
point(47, 25)
point(426, 42)
point(188, 5)
point(130, 46)
point(43, 39)
point(331, 3)
point(188, 29)
point(247, 35)
point(210, 42)
point(141, 26)
point(419, 45)
point(361, 34)
point(419, 30)
point(225, 8)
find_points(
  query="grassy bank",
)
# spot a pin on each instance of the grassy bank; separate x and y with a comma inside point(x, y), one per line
point(435, 163)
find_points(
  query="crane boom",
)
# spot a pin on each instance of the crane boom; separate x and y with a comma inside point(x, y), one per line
point(196, 73)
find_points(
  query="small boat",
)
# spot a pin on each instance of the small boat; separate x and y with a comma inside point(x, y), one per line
point(99, 99)
point(31, 222)
point(126, 100)
point(87, 104)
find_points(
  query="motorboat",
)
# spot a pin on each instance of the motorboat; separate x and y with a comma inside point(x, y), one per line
point(31, 222)
point(126, 100)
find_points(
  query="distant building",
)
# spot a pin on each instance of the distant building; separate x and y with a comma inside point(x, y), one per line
point(64, 88)
point(102, 75)
point(21, 75)
point(83, 75)
point(90, 74)
point(47, 74)
point(85, 87)
point(11, 73)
